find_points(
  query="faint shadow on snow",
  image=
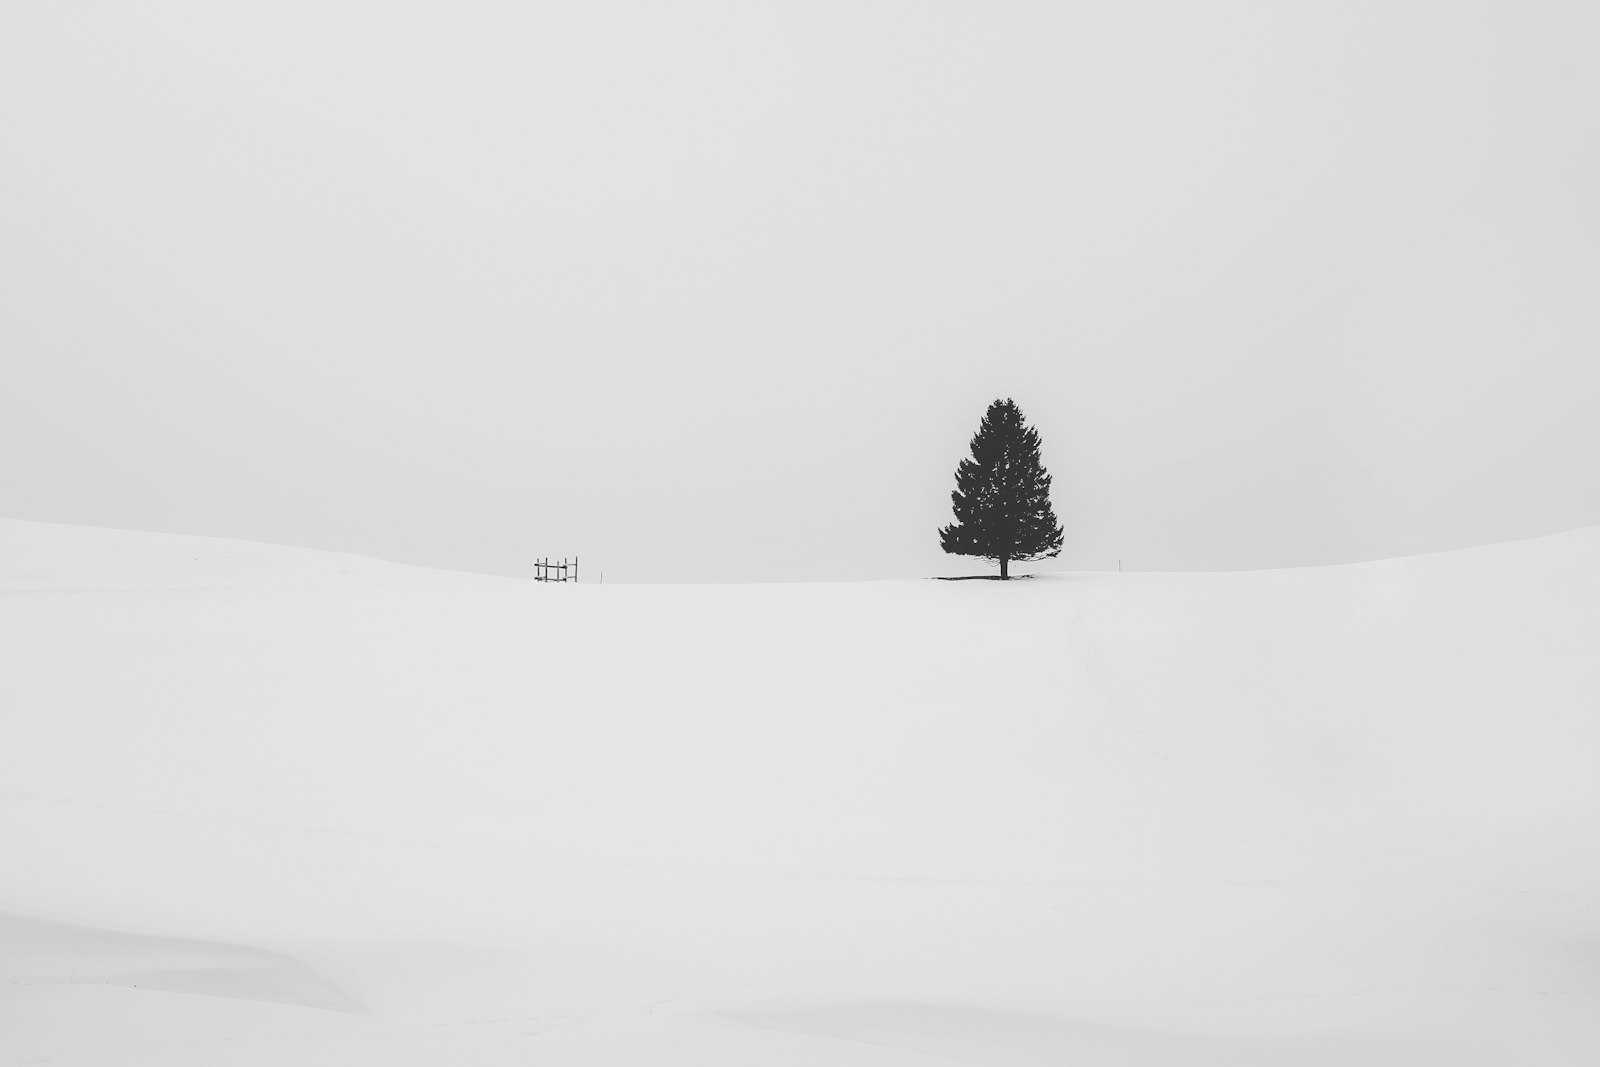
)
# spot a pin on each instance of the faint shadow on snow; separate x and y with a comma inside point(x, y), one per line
point(44, 952)
point(999, 1038)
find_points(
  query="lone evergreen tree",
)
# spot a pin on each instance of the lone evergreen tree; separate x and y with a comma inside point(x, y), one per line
point(1002, 497)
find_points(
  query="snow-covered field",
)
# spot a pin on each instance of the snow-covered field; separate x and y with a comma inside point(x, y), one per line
point(268, 806)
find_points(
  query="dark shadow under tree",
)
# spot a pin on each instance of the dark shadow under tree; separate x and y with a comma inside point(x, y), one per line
point(1002, 497)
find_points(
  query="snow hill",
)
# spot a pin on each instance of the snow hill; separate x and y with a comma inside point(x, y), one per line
point(269, 806)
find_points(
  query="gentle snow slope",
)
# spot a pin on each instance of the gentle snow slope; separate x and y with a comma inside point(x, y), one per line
point(376, 813)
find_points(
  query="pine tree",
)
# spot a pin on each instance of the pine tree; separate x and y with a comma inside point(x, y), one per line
point(1002, 497)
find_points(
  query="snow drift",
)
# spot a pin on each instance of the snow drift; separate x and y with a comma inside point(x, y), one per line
point(365, 811)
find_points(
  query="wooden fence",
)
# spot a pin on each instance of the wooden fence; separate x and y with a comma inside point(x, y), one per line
point(545, 571)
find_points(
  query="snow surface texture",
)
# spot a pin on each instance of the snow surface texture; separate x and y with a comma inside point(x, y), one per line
point(268, 806)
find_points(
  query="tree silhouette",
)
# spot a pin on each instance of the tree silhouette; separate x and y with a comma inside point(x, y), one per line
point(1002, 497)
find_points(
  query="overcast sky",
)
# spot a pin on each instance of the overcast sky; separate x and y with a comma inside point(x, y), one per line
point(718, 291)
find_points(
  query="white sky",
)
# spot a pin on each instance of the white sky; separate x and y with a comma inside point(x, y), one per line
point(718, 291)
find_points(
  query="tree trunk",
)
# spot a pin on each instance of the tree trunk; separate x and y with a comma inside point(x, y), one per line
point(1005, 575)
